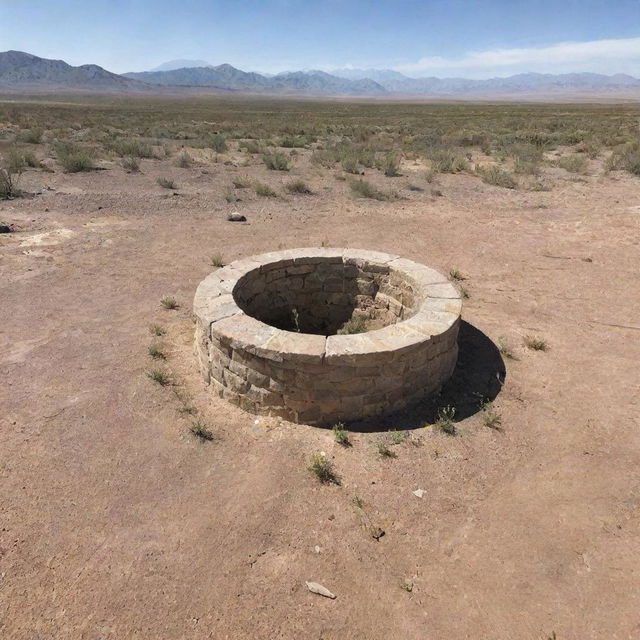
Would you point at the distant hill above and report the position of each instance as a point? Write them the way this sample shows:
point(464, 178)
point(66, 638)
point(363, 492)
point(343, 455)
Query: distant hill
point(398, 83)
point(26, 72)
point(20, 70)
point(171, 65)
point(228, 78)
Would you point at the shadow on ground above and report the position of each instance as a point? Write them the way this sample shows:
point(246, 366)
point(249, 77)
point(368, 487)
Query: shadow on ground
point(477, 379)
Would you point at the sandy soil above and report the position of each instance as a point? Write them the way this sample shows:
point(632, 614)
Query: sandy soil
point(115, 522)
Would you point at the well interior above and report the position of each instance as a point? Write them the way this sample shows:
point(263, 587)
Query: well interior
point(320, 297)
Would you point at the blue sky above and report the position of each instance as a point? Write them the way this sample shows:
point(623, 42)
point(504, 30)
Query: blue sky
point(429, 37)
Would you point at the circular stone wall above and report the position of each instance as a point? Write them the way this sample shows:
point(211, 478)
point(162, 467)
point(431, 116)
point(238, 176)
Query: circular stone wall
point(319, 336)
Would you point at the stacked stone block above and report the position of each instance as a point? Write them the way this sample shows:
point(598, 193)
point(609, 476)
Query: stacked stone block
point(251, 352)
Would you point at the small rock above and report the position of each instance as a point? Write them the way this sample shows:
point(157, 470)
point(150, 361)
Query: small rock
point(236, 217)
point(314, 587)
point(316, 549)
point(5, 228)
point(418, 492)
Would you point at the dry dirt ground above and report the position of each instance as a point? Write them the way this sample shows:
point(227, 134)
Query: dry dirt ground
point(116, 522)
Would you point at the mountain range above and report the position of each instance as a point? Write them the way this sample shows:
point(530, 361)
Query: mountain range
point(22, 71)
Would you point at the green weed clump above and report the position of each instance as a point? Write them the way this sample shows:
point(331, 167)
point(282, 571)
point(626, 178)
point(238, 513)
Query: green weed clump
point(74, 158)
point(496, 176)
point(276, 161)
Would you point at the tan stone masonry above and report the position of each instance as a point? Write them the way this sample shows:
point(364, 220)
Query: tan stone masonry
point(266, 333)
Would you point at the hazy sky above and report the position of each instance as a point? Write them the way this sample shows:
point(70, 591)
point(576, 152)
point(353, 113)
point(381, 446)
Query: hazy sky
point(428, 37)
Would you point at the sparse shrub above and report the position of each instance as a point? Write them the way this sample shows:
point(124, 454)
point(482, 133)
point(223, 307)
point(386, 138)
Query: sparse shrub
point(217, 260)
point(491, 418)
point(264, 190)
point(573, 163)
point(351, 165)
point(353, 325)
point(159, 377)
point(445, 160)
point(524, 167)
point(464, 292)
point(407, 586)
point(627, 157)
point(390, 165)
point(505, 348)
point(156, 330)
point(365, 189)
point(323, 469)
point(241, 182)
point(74, 159)
point(31, 136)
point(456, 274)
point(166, 183)
point(341, 434)
point(398, 437)
point(535, 344)
point(299, 186)
point(276, 161)
point(200, 431)
point(169, 302)
point(252, 146)
point(184, 160)
point(384, 451)
point(132, 148)
point(445, 420)
point(131, 164)
point(293, 142)
point(218, 143)
point(8, 183)
point(230, 195)
point(430, 175)
point(496, 176)
point(156, 352)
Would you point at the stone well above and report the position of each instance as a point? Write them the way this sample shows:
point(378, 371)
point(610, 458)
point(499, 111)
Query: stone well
point(270, 333)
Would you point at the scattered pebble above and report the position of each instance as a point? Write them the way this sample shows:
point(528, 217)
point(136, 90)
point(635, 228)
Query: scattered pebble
point(236, 217)
point(418, 492)
point(314, 587)
point(316, 549)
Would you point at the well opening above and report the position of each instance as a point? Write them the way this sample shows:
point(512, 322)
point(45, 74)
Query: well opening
point(327, 297)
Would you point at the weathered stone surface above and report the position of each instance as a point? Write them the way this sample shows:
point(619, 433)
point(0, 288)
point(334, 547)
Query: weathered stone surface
point(314, 377)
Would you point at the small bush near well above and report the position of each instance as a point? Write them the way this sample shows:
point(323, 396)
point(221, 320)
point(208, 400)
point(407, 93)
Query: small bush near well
point(445, 420)
point(217, 260)
point(166, 183)
point(169, 302)
point(264, 190)
point(218, 143)
point(156, 330)
point(573, 163)
point(276, 161)
point(298, 186)
point(384, 451)
point(131, 164)
point(354, 325)
point(398, 437)
point(491, 418)
point(456, 274)
point(200, 431)
point(341, 434)
point(156, 352)
point(496, 176)
point(505, 348)
point(323, 469)
point(159, 377)
point(535, 344)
